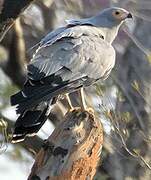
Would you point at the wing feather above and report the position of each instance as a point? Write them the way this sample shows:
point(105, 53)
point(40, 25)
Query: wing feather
point(82, 52)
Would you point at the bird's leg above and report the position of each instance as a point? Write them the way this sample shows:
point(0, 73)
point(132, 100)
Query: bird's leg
point(82, 99)
point(69, 101)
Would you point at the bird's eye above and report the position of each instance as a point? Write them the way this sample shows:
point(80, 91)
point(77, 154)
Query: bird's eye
point(117, 12)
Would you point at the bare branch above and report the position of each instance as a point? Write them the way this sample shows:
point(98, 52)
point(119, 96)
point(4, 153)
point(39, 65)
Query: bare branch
point(130, 102)
point(14, 66)
point(9, 11)
point(137, 42)
point(48, 14)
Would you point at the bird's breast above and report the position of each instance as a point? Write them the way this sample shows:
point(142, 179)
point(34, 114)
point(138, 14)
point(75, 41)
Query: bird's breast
point(98, 57)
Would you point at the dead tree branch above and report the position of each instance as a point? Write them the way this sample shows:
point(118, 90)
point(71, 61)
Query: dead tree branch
point(73, 149)
point(14, 66)
point(9, 11)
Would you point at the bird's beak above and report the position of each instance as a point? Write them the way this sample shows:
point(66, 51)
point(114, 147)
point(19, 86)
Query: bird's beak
point(129, 15)
point(126, 15)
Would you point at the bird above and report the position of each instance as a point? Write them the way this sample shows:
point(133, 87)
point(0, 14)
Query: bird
point(67, 59)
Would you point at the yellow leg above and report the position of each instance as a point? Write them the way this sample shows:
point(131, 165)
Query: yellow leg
point(82, 99)
point(69, 102)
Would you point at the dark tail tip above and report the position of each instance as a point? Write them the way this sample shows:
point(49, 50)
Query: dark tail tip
point(29, 124)
point(18, 138)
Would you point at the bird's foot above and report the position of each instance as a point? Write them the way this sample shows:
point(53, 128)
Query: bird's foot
point(88, 109)
point(70, 109)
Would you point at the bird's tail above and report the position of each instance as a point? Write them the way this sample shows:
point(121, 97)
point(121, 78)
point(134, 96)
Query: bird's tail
point(29, 123)
point(33, 105)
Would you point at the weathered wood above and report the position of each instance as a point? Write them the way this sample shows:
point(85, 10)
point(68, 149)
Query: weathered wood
point(73, 149)
point(9, 11)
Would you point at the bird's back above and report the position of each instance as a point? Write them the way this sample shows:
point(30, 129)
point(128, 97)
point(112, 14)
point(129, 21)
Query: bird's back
point(81, 49)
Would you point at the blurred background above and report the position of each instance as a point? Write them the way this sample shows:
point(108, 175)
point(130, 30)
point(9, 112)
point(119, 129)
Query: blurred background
point(123, 102)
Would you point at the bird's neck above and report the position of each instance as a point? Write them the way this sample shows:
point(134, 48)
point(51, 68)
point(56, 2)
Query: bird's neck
point(109, 33)
point(108, 28)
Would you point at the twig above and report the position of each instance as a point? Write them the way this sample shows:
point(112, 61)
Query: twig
point(131, 103)
point(132, 153)
point(137, 42)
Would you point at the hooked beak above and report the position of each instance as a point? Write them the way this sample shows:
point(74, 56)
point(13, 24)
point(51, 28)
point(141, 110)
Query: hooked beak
point(129, 15)
point(126, 15)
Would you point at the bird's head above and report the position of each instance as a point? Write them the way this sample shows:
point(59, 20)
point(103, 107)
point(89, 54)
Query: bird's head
point(116, 15)
point(111, 17)
point(109, 21)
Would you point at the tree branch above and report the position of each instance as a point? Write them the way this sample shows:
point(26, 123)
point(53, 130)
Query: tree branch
point(48, 14)
point(9, 11)
point(73, 149)
point(14, 67)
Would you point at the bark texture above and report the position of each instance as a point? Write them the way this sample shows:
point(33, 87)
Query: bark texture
point(72, 151)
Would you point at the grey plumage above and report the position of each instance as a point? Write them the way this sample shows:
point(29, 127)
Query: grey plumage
point(68, 58)
point(67, 52)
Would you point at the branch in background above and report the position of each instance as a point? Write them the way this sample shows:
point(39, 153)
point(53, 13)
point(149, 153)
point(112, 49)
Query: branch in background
point(121, 137)
point(131, 102)
point(9, 11)
point(137, 42)
point(73, 149)
point(48, 14)
point(14, 66)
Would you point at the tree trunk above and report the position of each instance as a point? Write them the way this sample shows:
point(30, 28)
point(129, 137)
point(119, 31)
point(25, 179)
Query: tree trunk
point(73, 149)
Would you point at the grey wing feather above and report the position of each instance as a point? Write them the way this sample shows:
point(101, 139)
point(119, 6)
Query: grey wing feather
point(74, 22)
point(50, 37)
point(52, 59)
point(65, 31)
point(59, 34)
point(73, 56)
point(47, 59)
